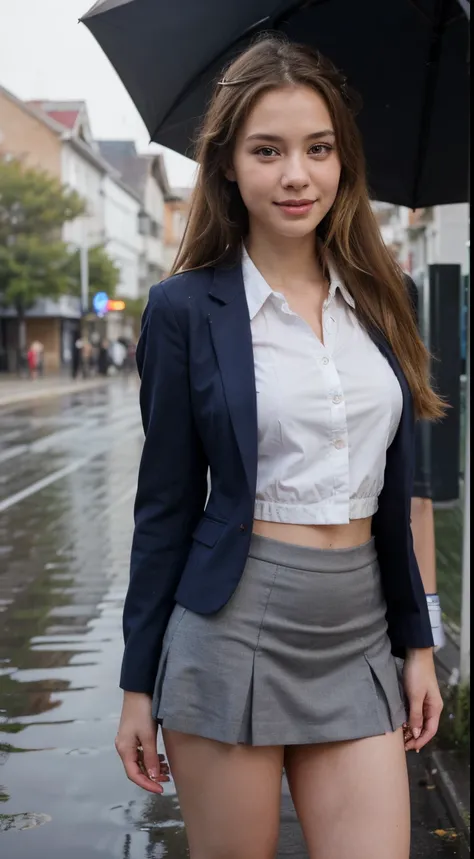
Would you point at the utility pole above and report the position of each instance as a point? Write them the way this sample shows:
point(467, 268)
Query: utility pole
point(84, 257)
point(465, 644)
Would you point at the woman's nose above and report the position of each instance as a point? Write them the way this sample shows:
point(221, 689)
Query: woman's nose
point(295, 174)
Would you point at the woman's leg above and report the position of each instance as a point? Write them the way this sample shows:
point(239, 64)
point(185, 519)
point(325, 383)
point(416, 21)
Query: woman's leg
point(229, 796)
point(352, 798)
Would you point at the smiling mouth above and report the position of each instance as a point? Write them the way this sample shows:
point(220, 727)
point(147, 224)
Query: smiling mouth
point(295, 204)
point(296, 207)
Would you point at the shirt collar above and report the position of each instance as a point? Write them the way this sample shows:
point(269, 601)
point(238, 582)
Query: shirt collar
point(335, 283)
point(257, 290)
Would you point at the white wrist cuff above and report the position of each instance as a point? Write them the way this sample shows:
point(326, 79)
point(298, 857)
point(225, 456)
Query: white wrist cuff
point(436, 622)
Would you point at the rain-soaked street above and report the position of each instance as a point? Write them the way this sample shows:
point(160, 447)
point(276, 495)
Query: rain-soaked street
point(68, 470)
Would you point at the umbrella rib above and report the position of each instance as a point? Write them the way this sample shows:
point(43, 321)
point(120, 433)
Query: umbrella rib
point(297, 6)
point(195, 81)
point(287, 8)
point(466, 7)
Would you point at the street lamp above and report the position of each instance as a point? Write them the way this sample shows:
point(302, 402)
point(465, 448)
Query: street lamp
point(84, 263)
point(84, 259)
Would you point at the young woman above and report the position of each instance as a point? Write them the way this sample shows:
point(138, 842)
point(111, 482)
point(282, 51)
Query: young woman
point(261, 627)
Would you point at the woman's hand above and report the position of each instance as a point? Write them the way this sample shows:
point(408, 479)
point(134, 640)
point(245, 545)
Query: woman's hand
point(425, 701)
point(136, 743)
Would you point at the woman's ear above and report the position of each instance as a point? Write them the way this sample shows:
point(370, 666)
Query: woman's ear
point(229, 174)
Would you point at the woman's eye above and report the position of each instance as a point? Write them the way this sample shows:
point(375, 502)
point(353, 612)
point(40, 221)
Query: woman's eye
point(321, 149)
point(266, 151)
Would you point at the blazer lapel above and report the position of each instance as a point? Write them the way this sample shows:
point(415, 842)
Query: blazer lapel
point(232, 338)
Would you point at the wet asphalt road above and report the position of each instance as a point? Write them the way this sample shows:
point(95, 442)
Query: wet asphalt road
point(67, 479)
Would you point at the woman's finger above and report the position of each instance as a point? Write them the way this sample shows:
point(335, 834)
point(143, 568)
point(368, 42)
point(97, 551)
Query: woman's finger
point(130, 753)
point(430, 727)
point(416, 716)
point(135, 774)
point(149, 756)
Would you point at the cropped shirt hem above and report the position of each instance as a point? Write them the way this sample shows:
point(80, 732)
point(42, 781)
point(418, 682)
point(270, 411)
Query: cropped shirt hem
point(323, 513)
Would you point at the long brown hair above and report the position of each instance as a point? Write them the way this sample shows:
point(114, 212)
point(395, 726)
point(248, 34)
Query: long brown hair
point(218, 219)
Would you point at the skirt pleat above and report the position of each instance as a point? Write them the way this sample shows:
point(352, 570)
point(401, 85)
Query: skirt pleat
point(299, 654)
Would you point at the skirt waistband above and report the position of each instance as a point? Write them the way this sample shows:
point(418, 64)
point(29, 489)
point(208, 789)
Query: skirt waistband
point(309, 558)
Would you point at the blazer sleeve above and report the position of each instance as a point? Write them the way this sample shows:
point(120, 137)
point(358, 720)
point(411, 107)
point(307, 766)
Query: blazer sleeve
point(171, 492)
point(422, 476)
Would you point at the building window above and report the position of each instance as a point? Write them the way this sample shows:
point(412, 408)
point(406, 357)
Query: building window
point(143, 223)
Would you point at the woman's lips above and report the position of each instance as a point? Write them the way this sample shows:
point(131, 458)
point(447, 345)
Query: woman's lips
point(296, 208)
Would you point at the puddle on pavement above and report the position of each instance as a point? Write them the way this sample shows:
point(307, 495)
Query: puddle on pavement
point(64, 554)
point(19, 822)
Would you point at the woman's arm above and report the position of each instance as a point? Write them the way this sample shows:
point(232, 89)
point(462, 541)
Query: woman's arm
point(422, 526)
point(171, 491)
point(422, 517)
point(170, 498)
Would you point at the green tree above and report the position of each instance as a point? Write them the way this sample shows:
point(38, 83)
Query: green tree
point(104, 275)
point(34, 262)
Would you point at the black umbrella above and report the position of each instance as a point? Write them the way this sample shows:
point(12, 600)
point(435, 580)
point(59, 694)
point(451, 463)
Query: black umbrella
point(407, 58)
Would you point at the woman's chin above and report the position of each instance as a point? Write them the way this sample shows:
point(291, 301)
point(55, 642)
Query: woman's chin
point(294, 231)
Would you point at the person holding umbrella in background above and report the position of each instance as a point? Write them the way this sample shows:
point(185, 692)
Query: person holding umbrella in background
point(422, 514)
point(261, 629)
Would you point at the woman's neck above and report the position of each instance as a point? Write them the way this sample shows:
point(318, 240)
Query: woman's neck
point(286, 264)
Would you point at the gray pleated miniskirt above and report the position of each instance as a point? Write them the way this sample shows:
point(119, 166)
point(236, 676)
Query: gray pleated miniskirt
point(299, 654)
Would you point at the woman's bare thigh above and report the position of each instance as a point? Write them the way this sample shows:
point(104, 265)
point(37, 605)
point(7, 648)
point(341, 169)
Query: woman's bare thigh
point(229, 796)
point(352, 798)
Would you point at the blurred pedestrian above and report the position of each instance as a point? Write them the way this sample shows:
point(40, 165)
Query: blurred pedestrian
point(118, 353)
point(32, 358)
point(87, 353)
point(38, 348)
point(282, 355)
point(76, 365)
point(104, 358)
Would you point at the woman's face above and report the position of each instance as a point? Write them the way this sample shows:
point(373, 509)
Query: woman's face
point(286, 153)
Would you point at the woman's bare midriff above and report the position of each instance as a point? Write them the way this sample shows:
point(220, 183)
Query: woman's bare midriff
point(355, 533)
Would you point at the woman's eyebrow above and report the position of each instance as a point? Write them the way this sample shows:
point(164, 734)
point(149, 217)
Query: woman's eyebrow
point(274, 138)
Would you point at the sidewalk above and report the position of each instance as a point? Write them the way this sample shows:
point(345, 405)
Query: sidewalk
point(15, 389)
point(435, 768)
point(451, 769)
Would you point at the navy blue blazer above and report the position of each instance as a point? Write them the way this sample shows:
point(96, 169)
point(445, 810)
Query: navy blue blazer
point(199, 410)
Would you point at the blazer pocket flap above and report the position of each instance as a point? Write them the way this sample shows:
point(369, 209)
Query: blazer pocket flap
point(208, 531)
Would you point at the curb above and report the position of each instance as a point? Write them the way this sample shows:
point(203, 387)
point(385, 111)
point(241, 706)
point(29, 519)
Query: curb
point(450, 795)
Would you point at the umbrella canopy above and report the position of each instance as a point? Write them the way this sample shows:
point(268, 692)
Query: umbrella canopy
point(407, 58)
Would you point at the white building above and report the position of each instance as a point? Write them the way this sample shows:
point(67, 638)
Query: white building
point(112, 217)
point(146, 175)
point(122, 237)
point(424, 237)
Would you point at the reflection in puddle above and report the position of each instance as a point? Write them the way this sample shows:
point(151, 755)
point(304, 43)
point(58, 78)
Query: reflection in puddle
point(64, 573)
point(18, 822)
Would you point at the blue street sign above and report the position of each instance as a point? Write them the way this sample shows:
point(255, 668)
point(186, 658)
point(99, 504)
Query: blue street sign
point(99, 303)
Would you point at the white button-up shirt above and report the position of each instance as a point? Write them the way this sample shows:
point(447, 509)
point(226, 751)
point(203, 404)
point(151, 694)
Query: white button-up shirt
point(327, 412)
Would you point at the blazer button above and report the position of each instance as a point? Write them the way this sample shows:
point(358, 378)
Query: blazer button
point(242, 527)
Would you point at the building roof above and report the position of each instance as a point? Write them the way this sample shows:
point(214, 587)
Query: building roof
point(88, 148)
point(67, 113)
point(122, 155)
point(32, 110)
point(134, 167)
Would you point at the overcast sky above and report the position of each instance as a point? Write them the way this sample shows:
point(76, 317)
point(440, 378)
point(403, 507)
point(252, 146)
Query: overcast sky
point(46, 54)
